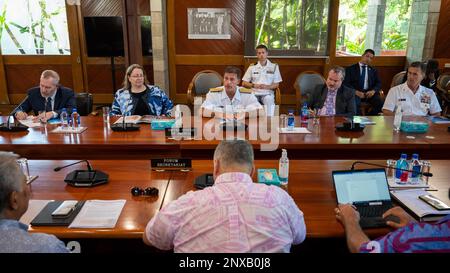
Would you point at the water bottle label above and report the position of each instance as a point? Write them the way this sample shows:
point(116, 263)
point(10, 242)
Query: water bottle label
point(416, 169)
point(291, 121)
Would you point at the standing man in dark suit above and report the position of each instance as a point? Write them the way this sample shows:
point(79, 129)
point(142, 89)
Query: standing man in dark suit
point(364, 79)
point(48, 96)
point(333, 98)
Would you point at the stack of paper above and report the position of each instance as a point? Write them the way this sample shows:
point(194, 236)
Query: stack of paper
point(423, 211)
point(295, 130)
point(69, 130)
point(99, 214)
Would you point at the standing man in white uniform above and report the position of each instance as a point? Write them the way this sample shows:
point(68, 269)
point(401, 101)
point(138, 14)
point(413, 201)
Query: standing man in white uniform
point(413, 98)
point(229, 98)
point(263, 77)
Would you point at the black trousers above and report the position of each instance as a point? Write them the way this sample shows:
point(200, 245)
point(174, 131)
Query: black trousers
point(375, 102)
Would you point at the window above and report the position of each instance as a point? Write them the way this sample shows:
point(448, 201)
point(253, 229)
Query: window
point(33, 27)
point(288, 27)
point(361, 22)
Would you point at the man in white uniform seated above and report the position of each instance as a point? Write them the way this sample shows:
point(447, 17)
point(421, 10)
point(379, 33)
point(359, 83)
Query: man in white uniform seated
point(230, 99)
point(413, 98)
point(263, 77)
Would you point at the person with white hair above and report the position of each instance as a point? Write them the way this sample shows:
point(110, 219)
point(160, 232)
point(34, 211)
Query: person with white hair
point(49, 96)
point(14, 198)
point(234, 215)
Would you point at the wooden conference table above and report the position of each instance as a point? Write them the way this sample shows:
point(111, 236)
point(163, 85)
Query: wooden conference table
point(100, 142)
point(310, 185)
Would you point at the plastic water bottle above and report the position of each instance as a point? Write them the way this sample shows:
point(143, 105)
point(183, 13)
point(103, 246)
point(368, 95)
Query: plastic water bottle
point(75, 118)
point(415, 166)
point(398, 118)
point(304, 114)
point(399, 174)
point(291, 120)
point(283, 169)
point(64, 119)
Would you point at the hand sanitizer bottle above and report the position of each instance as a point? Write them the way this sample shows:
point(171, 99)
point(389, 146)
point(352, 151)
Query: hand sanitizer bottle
point(283, 170)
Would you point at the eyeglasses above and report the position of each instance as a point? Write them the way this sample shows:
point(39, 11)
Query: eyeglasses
point(150, 191)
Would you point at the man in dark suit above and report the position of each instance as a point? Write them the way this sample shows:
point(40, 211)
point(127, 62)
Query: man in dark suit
point(49, 96)
point(333, 98)
point(364, 79)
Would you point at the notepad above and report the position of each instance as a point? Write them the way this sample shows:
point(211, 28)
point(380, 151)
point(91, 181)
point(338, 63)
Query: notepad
point(99, 214)
point(420, 209)
point(68, 130)
point(295, 130)
point(135, 119)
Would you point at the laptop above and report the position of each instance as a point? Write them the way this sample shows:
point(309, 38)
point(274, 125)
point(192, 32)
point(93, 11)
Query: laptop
point(367, 190)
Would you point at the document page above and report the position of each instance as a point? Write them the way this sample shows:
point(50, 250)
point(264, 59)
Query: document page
point(98, 214)
point(34, 208)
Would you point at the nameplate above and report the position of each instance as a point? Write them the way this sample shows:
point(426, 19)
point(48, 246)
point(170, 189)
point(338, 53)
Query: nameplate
point(171, 164)
point(181, 133)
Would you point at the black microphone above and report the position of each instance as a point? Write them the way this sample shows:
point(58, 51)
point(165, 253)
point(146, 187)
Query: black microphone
point(84, 160)
point(15, 128)
point(427, 174)
point(84, 178)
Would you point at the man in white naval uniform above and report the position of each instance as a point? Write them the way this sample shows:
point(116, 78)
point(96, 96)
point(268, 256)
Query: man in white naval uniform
point(230, 99)
point(263, 77)
point(413, 98)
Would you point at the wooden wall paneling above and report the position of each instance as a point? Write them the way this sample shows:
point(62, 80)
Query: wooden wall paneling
point(75, 50)
point(442, 44)
point(100, 78)
point(144, 7)
point(171, 50)
point(32, 59)
point(21, 77)
point(235, 60)
point(102, 7)
point(132, 33)
point(4, 99)
point(83, 47)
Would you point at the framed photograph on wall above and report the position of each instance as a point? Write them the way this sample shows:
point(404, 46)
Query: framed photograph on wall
point(209, 23)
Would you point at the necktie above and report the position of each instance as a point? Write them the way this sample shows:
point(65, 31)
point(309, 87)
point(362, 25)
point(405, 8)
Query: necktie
point(329, 105)
point(362, 77)
point(48, 106)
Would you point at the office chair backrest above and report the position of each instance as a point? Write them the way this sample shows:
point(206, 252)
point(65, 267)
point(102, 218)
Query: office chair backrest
point(206, 80)
point(443, 82)
point(398, 78)
point(305, 85)
point(84, 103)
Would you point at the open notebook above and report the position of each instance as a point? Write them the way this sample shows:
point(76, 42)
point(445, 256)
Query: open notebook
point(420, 209)
point(137, 119)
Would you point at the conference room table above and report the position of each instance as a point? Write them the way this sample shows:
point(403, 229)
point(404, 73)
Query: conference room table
point(377, 141)
point(310, 185)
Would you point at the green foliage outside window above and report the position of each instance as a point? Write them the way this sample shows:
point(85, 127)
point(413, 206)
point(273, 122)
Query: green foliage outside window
point(33, 27)
point(352, 26)
point(293, 25)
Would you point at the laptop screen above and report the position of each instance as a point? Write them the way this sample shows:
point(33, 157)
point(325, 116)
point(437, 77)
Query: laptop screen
point(361, 186)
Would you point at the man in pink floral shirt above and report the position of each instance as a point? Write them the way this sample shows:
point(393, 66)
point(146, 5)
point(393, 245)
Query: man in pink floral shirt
point(234, 215)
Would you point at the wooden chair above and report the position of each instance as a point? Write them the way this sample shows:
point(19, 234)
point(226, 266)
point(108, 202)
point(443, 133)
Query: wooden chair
point(443, 86)
point(201, 83)
point(304, 85)
point(398, 78)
